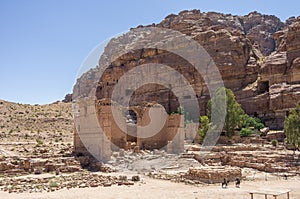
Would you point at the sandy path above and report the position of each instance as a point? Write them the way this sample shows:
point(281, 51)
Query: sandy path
point(158, 189)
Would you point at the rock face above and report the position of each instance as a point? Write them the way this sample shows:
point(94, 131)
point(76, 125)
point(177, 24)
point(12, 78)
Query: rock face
point(68, 98)
point(262, 70)
point(278, 84)
point(258, 28)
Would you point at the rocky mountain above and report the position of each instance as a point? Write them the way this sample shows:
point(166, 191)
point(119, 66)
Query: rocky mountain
point(257, 56)
point(258, 28)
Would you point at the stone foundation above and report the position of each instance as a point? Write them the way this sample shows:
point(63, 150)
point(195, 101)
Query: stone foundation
point(214, 174)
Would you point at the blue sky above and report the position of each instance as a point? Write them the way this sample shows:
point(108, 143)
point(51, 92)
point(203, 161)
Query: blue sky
point(43, 43)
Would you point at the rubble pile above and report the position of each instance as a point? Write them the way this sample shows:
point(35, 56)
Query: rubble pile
point(262, 158)
point(19, 166)
point(54, 183)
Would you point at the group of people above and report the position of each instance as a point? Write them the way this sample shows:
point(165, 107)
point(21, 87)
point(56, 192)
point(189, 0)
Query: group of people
point(226, 182)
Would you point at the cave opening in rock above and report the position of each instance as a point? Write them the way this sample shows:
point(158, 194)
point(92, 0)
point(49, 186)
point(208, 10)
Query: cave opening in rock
point(263, 87)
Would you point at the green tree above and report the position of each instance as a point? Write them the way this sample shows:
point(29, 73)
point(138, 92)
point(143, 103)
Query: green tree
point(292, 127)
point(235, 115)
point(204, 126)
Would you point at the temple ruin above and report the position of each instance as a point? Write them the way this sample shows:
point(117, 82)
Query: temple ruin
point(102, 136)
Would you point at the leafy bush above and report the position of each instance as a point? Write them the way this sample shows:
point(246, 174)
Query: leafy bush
point(204, 126)
point(180, 110)
point(123, 178)
point(53, 184)
point(254, 122)
point(259, 126)
point(274, 142)
point(39, 141)
point(245, 132)
point(135, 178)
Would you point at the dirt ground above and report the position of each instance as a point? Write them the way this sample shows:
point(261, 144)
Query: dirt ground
point(152, 188)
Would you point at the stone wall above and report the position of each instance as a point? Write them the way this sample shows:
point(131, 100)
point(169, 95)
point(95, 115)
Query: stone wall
point(214, 174)
point(90, 139)
point(87, 133)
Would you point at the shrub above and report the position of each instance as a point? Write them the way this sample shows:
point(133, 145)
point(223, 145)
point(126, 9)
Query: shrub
point(254, 122)
point(53, 184)
point(180, 110)
point(39, 141)
point(204, 126)
point(123, 178)
point(245, 132)
point(135, 178)
point(274, 142)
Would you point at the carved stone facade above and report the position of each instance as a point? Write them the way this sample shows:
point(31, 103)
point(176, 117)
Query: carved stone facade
point(99, 134)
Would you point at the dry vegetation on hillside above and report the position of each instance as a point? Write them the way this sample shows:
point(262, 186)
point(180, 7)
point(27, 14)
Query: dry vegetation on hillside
point(24, 125)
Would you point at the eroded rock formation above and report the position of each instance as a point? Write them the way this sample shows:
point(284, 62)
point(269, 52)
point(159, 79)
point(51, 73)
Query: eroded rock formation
point(279, 77)
point(257, 55)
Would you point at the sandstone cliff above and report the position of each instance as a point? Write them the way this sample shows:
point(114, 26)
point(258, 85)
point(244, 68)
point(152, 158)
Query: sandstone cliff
point(257, 55)
point(279, 78)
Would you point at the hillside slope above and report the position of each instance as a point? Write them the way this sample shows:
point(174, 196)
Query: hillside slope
point(24, 126)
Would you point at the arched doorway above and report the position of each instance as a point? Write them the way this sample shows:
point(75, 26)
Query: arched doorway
point(131, 126)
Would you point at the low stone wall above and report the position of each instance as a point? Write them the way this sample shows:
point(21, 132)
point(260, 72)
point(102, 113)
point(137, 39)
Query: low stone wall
point(276, 135)
point(214, 174)
point(11, 166)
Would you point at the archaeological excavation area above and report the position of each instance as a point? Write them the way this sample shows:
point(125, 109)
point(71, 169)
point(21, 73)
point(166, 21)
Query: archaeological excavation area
point(136, 141)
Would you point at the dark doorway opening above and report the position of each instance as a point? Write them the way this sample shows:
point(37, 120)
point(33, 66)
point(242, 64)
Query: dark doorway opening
point(131, 126)
point(263, 87)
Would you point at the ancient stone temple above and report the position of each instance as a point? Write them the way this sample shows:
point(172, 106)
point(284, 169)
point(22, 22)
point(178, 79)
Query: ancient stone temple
point(90, 139)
